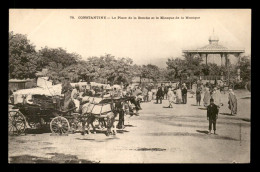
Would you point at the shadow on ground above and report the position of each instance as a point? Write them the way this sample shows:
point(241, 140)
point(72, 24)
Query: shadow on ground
point(121, 131)
point(246, 98)
point(227, 114)
point(129, 126)
point(166, 107)
point(194, 105)
point(247, 120)
point(198, 135)
point(38, 131)
point(56, 158)
point(203, 131)
point(149, 149)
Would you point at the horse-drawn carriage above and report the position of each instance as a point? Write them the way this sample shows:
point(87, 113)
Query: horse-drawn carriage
point(42, 110)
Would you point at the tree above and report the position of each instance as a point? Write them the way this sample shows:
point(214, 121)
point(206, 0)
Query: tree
point(245, 68)
point(175, 67)
point(192, 64)
point(58, 56)
point(56, 60)
point(22, 57)
point(150, 71)
point(109, 68)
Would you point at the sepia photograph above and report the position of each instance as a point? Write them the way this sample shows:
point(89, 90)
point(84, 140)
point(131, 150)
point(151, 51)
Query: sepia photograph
point(129, 86)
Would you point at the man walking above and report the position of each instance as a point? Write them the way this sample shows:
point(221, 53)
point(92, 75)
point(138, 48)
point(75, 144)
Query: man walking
point(198, 95)
point(212, 115)
point(166, 89)
point(159, 95)
point(184, 94)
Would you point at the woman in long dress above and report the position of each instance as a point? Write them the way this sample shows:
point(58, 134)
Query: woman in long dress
point(170, 96)
point(232, 102)
point(150, 95)
point(178, 96)
point(216, 96)
point(207, 97)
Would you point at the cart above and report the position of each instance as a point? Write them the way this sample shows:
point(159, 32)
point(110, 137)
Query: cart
point(42, 111)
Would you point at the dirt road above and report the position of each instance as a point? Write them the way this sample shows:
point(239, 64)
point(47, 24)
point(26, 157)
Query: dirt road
point(158, 135)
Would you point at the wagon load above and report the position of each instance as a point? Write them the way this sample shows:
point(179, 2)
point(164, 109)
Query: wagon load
point(38, 107)
point(27, 94)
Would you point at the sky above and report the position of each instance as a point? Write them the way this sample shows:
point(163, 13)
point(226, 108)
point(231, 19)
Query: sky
point(144, 40)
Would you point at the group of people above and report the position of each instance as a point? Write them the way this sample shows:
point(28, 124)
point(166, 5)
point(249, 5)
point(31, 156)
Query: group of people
point(215, 94)
point(212, 100)
point(177, 95)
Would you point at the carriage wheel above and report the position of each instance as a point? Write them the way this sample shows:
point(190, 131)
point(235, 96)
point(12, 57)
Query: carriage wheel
point(59, 125)
point(16, 123)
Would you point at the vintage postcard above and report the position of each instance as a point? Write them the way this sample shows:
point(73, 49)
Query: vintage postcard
point(129, 86)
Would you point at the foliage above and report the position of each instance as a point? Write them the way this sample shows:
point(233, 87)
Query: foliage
point(56, 60)
point(245, 68)
point(212, 69)
point(22, 57)
point(151, 72)
point(192, 64)
point(175, 67)
point(103, 69)
point(25, 61)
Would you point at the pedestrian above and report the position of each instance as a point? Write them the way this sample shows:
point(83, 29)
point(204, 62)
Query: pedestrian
point(178, 95)
point(207, 97)
point(137, 94)
point(163, 92)
point(170, 96)
point(121, 111)
point(198, 95)
point(154, 91)
point(212, 115)
point(232, 102)
point(145, 94)
point(184, 94)
point(159, 95)
point(150, 95)
point(166, 91)
point(216, 96)
point(174, 96)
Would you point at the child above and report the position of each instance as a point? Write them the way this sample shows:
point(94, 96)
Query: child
point(212, 115)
